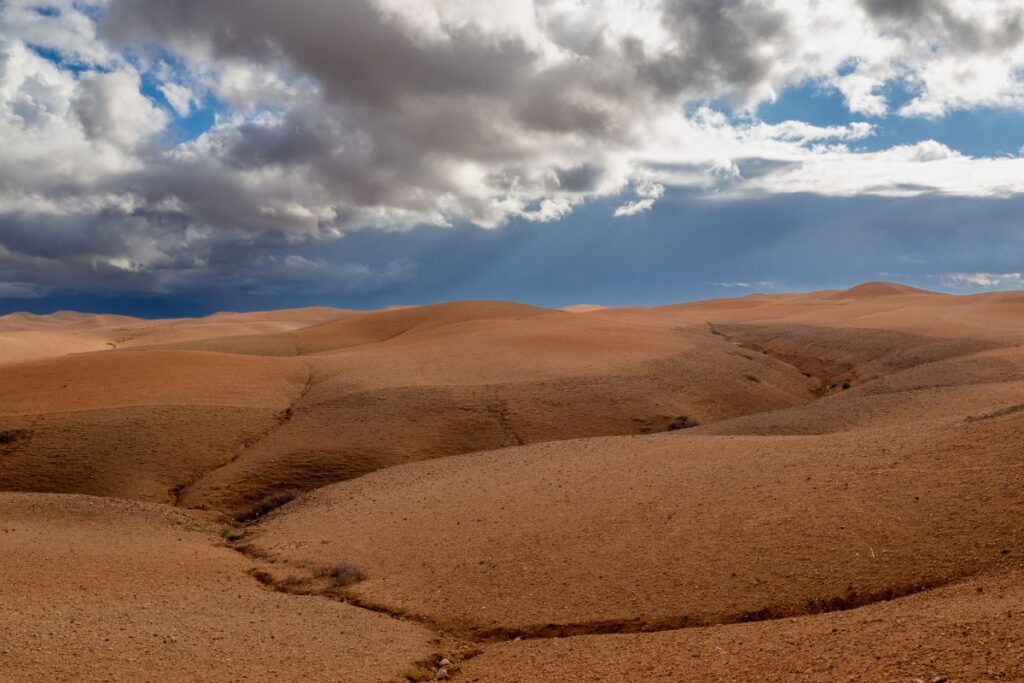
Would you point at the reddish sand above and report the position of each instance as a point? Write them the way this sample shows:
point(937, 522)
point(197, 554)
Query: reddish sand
point(583, 308)
point(781, 487)
point(25, 337)
point(972, 630)
point(97, 589)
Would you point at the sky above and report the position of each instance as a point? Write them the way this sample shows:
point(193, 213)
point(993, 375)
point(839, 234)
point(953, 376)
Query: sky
point(178, 157)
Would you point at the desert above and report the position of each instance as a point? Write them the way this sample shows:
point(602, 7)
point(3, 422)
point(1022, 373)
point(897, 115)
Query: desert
point(812, 487)
point(522, 341)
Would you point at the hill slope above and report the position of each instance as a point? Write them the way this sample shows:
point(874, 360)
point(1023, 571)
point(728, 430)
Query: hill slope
point(782, 487)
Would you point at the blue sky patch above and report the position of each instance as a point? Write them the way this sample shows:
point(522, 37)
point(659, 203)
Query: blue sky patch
point(58, 59)
point(980, 132)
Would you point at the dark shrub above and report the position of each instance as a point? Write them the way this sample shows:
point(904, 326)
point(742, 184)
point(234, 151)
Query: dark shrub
point(681, 422)
point(230, 535)
point(266, 504)
point(343, 574)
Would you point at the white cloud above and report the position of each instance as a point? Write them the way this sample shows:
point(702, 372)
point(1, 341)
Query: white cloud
point(111, 109)
point(179, 97)
point(761, 284)
point(731, 160)
point(798, 131)
point(51, 158)
point(69, 29)
point(633, 208)
point(982, 280)
point(648, 191)
point(900, 171)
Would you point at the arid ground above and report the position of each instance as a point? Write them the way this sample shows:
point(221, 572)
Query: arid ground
point(815, 487)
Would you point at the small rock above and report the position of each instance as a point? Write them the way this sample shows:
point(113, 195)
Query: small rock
point(444, 663)
point(940, 679)
point(441, 675)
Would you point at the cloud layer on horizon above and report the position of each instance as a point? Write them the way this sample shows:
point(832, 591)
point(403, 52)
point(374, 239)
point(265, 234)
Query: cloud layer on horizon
point(340, 116)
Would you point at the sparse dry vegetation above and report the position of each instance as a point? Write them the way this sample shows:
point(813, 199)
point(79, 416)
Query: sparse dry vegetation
point(681, 422)
point(342, 574)
point(266, 504)
point(230, 535)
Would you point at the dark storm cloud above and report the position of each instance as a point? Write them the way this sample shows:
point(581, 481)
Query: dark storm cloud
point(289, 143)
point(353, 47)
point(362, 53)
point(84, 236)
point(582, 178)
point(935, 20)
point(69, 250)
point(899, 9)
point(719, 44)
point(757, 168)
point(143, 251)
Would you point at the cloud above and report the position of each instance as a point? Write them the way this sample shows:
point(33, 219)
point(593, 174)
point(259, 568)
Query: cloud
point(958, 54)
point(336, 116)
point(111, 109)
point(730, 160)
point(982, 280)
point(798, 131)
point(761, 284)
point(649, 192)
point(179, 97)
point(634, 207)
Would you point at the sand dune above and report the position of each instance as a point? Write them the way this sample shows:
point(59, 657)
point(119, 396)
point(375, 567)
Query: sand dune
point(444, 389)
point(62, 320)
point(869, 290)
point(367, 328)
point(27, 337)
point(583, 308)
point(220, 325)
point(135, 424)
point(23, 345)
point(815, 487)
point(375, 390)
